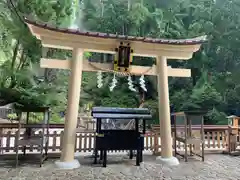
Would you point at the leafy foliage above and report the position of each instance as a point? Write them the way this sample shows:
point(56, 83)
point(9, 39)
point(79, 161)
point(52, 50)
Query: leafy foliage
point(215, 77)
point(18, 81)
point(179, 19)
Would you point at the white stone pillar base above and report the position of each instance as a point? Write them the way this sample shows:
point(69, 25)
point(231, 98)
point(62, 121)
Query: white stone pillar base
point(67, 165)
point(172, 161)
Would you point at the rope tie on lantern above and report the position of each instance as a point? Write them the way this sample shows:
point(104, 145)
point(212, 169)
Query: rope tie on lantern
point(114, 80)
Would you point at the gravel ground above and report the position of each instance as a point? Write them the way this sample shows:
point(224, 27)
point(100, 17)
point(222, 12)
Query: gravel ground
point(217, 167)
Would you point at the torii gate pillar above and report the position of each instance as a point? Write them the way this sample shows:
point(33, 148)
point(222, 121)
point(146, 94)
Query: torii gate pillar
point(67, 160)
point(164, 114)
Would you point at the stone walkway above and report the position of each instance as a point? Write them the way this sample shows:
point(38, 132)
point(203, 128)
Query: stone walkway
point(216, 167)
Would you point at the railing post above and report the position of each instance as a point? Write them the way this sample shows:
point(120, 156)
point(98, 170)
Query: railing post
point(226, 137)
point(156, 145)
point(1, 140)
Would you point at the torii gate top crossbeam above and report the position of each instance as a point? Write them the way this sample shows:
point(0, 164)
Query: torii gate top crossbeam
point(106, 43)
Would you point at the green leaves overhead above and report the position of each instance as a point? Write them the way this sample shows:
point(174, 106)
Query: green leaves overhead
point(20, 52)
point(216, 66)
point(55, 12)
point(138, 14)
point(181, 19)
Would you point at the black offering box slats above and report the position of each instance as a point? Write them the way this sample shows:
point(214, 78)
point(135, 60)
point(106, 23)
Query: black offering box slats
point(120, 110)
point(121, 116)
point(112, 139)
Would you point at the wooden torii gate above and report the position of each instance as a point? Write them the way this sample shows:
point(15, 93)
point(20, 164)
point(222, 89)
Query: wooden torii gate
point(79, 42)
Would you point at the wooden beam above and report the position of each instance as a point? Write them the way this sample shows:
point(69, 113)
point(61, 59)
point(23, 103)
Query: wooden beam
point(142, 51)
point(54, 63)
point(137, 70)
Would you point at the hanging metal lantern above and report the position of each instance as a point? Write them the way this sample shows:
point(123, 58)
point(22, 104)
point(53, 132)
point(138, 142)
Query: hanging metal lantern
point(123, 57)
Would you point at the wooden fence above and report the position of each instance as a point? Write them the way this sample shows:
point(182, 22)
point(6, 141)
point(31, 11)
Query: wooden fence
point(215, 139)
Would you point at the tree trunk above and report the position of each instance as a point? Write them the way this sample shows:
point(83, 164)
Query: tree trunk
point(194, 76)
point(14, 58)
point(142, 99)
point(15, 52)
point(129, 5)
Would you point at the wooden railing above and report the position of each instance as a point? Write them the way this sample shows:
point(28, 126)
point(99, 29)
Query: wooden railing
point(215, 139)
